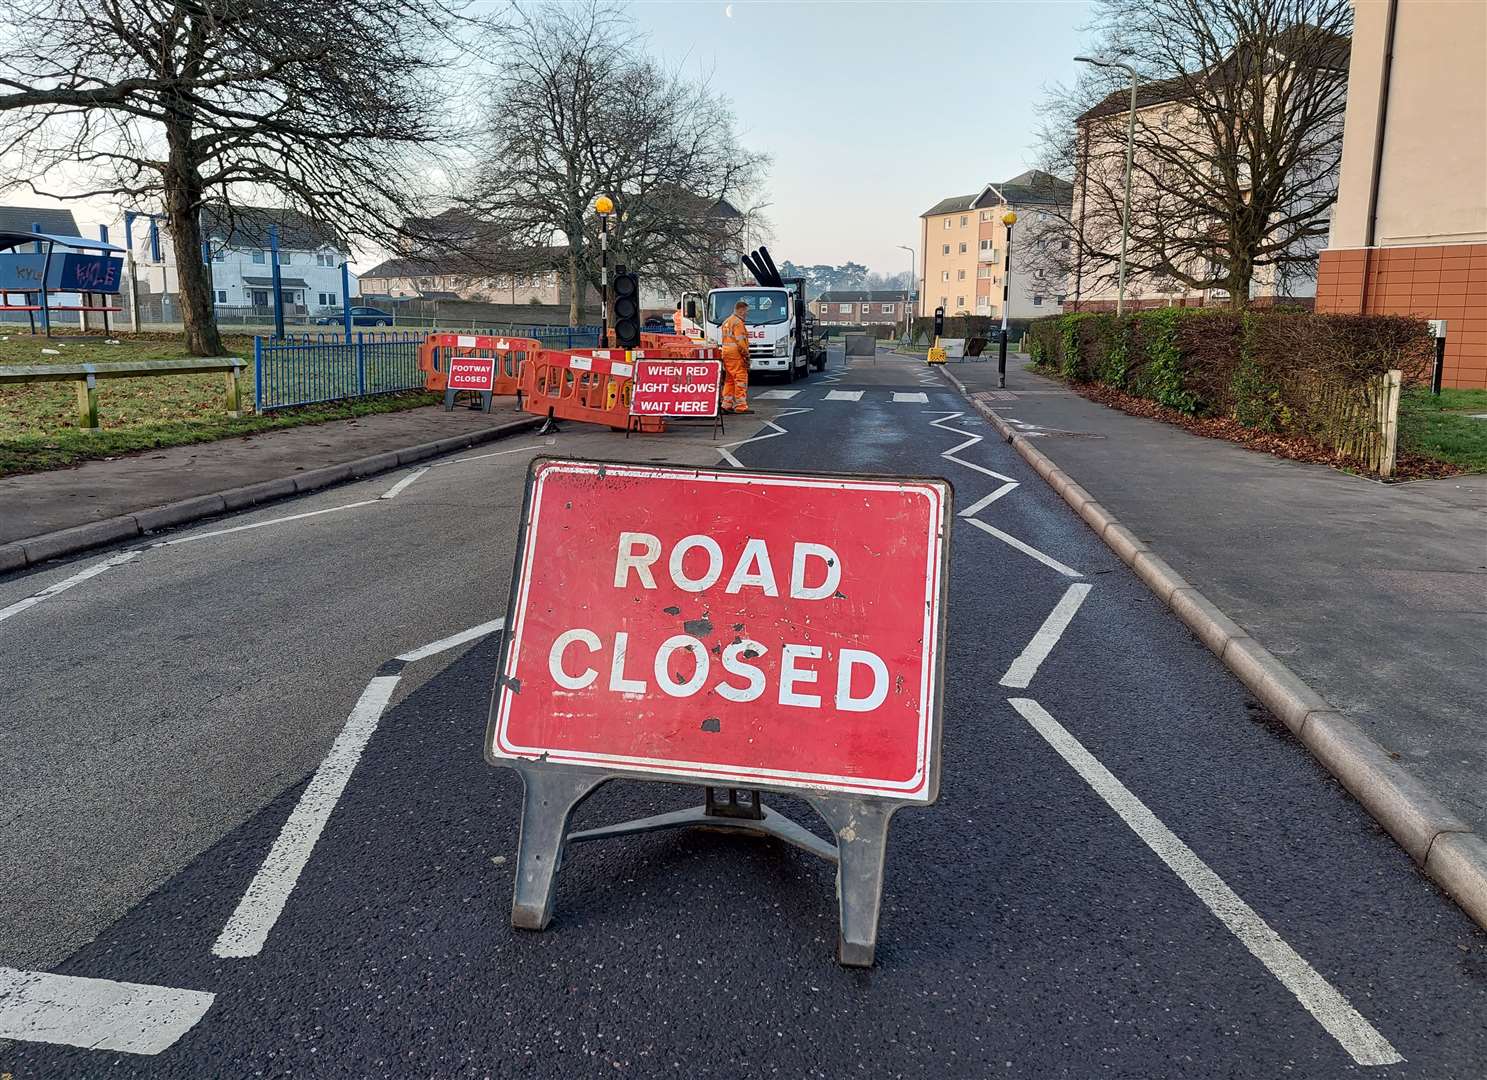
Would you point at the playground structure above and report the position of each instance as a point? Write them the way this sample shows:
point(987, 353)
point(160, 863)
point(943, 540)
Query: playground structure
point(45, 272)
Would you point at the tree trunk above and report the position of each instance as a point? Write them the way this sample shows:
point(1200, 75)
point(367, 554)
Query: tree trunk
point(183, 197)
point(575, 285)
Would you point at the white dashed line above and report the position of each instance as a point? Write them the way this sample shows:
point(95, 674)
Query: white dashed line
point(777, 395)
point(263, 524)
point(844, 395)
point(62, 586)
point(1025, 548)
point(1026, 666)
point(1319, 997)
point(899, 395)
point(96, 1014)
point(398, 488)
point(248, 927)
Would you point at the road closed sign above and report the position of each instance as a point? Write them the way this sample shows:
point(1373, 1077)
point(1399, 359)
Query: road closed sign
point(757, 629)
point(676, 388)
point(472, 373)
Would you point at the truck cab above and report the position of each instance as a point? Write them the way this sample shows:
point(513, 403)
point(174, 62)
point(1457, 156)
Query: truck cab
point(771, 323)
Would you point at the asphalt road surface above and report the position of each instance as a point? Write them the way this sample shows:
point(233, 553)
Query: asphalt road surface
point(241, 838)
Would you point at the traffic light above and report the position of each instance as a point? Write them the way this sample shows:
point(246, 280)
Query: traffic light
point(626, 309)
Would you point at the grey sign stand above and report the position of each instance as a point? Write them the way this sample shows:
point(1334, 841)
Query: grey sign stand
point(554, 792)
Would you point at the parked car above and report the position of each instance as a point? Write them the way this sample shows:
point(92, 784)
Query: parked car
point(657, 325)
point(360, 316)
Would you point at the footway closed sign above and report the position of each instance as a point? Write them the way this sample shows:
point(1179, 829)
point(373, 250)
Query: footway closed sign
point(764, 629)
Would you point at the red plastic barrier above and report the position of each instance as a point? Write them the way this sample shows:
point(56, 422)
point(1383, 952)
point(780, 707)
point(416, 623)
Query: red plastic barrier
point(511, 354)
point(589, 385)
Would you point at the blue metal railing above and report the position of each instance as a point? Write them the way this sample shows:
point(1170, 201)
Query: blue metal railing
point(304, 368)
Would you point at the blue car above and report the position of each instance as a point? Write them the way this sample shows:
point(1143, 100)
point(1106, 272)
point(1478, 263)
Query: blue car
point(360, 316)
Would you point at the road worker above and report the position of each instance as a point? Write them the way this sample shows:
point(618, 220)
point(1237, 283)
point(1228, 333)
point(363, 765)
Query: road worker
point(736, 360)
point(678, 320)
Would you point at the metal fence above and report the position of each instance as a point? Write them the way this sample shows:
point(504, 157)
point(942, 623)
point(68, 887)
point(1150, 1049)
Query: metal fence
point(301, 369)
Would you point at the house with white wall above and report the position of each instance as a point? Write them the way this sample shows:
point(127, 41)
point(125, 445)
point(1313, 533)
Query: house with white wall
point(311, 255)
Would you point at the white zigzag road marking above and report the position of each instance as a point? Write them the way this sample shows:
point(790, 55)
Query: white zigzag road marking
point(727, 448)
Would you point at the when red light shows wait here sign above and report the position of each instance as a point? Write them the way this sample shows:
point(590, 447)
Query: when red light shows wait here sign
point(676, 388)
point(776, 630)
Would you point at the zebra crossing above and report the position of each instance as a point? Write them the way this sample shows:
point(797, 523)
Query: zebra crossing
point(900, 396)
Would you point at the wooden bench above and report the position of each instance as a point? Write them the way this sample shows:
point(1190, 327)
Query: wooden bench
point(87, 375)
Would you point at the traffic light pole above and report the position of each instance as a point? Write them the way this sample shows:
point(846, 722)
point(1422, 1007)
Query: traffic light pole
point(604, 281)
point(1001, 354)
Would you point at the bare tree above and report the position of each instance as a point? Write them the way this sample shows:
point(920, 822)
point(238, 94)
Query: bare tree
point(178, 105)
point(1237, 143)
point(578, 111)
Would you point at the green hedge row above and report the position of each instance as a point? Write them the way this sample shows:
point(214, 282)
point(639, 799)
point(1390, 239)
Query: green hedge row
point(1276, 371)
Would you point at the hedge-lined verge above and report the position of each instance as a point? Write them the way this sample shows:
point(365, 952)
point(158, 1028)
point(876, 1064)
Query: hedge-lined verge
point(1293, 376)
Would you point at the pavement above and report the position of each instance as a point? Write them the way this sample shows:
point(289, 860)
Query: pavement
point(38, 503)
point(1374, 594)
point(1133, 869)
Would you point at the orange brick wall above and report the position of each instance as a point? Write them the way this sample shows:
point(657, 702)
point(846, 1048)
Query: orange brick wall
point(1446, 281)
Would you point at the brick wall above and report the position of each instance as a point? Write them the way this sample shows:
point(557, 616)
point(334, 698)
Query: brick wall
point(1443, 281)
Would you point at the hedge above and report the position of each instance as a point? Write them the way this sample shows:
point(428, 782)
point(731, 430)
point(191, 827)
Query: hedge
point(1285, 372)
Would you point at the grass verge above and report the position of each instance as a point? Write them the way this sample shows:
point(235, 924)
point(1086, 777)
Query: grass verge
point(1443, 428)
point(38, 421)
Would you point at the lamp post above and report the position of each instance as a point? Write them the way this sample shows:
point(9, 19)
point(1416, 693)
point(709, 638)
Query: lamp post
point(1125, 210)
point(604, 206)
point(909, 292)
point(1008, 219)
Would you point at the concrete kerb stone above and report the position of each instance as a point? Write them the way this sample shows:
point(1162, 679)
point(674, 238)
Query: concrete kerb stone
point(12, 557)
point(1458, 864)
point(63, 542)
point(315, 479)
point(55, 545)
point(161, 517)
point(1277, 686)
point(1452, 855)
point(1198, 613)
point(253, 494)
point(1412, 813)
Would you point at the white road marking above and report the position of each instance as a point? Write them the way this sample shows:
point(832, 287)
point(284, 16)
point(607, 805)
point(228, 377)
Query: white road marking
point(844, 395)
point(263, 524)
point(62, 586)
point(96, 1014)
point(250, 923)
point(777, 395)
point(899, 395)
point(1026, 666)
point(727, 448)
point(1026, 549)
point(1319, 997)
point(949, 455)
point(424, 651)
point(986, 500)
point(397, 489)
point(498, 453)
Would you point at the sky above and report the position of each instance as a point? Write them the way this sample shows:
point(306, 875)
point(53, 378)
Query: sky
point(872, 112)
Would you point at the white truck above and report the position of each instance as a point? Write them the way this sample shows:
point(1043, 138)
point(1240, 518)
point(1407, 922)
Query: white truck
point(782, 332)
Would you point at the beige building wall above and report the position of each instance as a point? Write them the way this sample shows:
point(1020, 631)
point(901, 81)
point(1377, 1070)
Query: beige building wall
point(950, 244)
point(970, 281)
point(1433, 184)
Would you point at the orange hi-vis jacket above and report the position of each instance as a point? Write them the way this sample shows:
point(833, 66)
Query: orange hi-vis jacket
point(735, 338)
point(678, 321)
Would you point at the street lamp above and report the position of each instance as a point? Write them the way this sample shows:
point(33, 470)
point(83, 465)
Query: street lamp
point(604, 206)
point(1008, 219)
point(909, 292)
point(1125, 211)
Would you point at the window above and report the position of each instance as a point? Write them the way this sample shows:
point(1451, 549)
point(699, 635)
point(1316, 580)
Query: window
point(983, 272)
point(960, 302)
point(963, 219)
point(326, 299)
point(1037, 301)
point(260, 257)
point(944, 275)
point(845, 309)
point(220, 255)
point(947, 223)
point(943, 301)
point(221, 296)
point(962, 249)
point(960, 275)
point(1063, 297)
point(887, 309)
point(986, 215)
point(988, 245)
point(325, 258)
point(285, 258)
point(944, 249)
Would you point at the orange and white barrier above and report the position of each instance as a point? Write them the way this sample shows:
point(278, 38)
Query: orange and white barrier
point(438, 351)
point(589, 385)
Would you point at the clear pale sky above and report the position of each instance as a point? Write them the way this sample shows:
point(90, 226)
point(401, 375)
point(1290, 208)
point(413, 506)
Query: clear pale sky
point(871, 111)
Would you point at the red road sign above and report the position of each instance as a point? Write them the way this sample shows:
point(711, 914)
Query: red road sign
point(677, 388)
point(472, 373)
point(763, 629)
